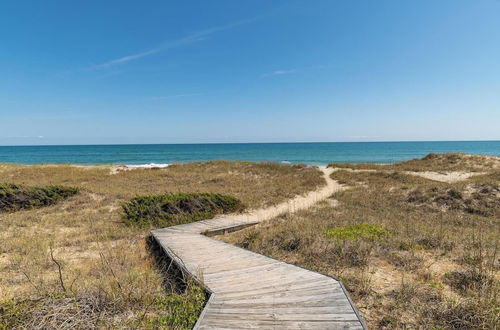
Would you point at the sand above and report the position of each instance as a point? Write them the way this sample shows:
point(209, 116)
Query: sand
point(448, 177)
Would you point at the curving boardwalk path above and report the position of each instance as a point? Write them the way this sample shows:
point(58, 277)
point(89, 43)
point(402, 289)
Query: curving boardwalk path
point(251, 291)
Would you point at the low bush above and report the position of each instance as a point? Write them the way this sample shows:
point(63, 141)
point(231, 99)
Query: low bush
point(360, 230)
point(173, 209)
point(404, 259)
point(181, 310)
point(465, 280)
point(14, 197)
point(481, 199)
point(466, 314)
point(349, 253)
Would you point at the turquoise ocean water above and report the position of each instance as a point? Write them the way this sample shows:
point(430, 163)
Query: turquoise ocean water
point(309, 153)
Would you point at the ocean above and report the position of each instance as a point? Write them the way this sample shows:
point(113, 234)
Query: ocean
point(320, 153)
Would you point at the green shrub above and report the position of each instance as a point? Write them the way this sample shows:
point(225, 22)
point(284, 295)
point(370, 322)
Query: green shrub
point(172, 209)
point(14, 198)
point(182, 310)
point(360, 230)
point(13, 313)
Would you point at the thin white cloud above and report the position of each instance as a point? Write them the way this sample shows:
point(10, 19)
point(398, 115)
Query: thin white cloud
point(277, 73)
point(127, 58)
point(301, 69)
point(174, 96)
point(192, 38)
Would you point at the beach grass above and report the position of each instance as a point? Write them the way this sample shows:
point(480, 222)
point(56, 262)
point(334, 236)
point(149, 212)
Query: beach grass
point(78, 264)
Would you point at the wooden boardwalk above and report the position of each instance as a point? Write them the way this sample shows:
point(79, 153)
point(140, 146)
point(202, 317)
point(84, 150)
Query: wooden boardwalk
point(251, 291)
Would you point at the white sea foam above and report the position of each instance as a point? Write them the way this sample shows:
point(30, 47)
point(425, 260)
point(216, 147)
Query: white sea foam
point(150, 165)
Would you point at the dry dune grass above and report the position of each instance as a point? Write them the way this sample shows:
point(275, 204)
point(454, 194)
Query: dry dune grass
point(75, 264)
point(414, 253)
point(449, 162)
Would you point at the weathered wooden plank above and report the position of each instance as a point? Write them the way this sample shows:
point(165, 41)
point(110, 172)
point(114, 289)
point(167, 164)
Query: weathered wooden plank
point(285, 293)
point(283, 310)
point(255, 284)
point(235, 272)
point(279, 325)
point(282, 317)
point(285, 285)
point(271, 304)
point(278, 272)
point(325, 297)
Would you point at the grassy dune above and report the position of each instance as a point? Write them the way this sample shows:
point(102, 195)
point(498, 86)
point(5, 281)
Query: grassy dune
point(413, 253)
point(435, 162)
point(76, 264)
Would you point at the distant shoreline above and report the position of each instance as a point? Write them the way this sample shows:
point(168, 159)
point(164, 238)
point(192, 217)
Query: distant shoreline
point(310, 153)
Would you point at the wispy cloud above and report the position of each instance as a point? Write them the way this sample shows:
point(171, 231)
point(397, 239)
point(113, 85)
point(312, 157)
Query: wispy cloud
point(175, 96)
point(189, 39)
point(278, 73)
point(301, 69)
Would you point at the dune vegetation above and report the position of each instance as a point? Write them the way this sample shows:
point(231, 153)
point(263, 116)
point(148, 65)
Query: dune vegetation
point(175, 209)
point(412, 252)
point(86, 262)
point(14, 198)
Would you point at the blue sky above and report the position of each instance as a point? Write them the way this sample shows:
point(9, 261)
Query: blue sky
point(78, 72)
